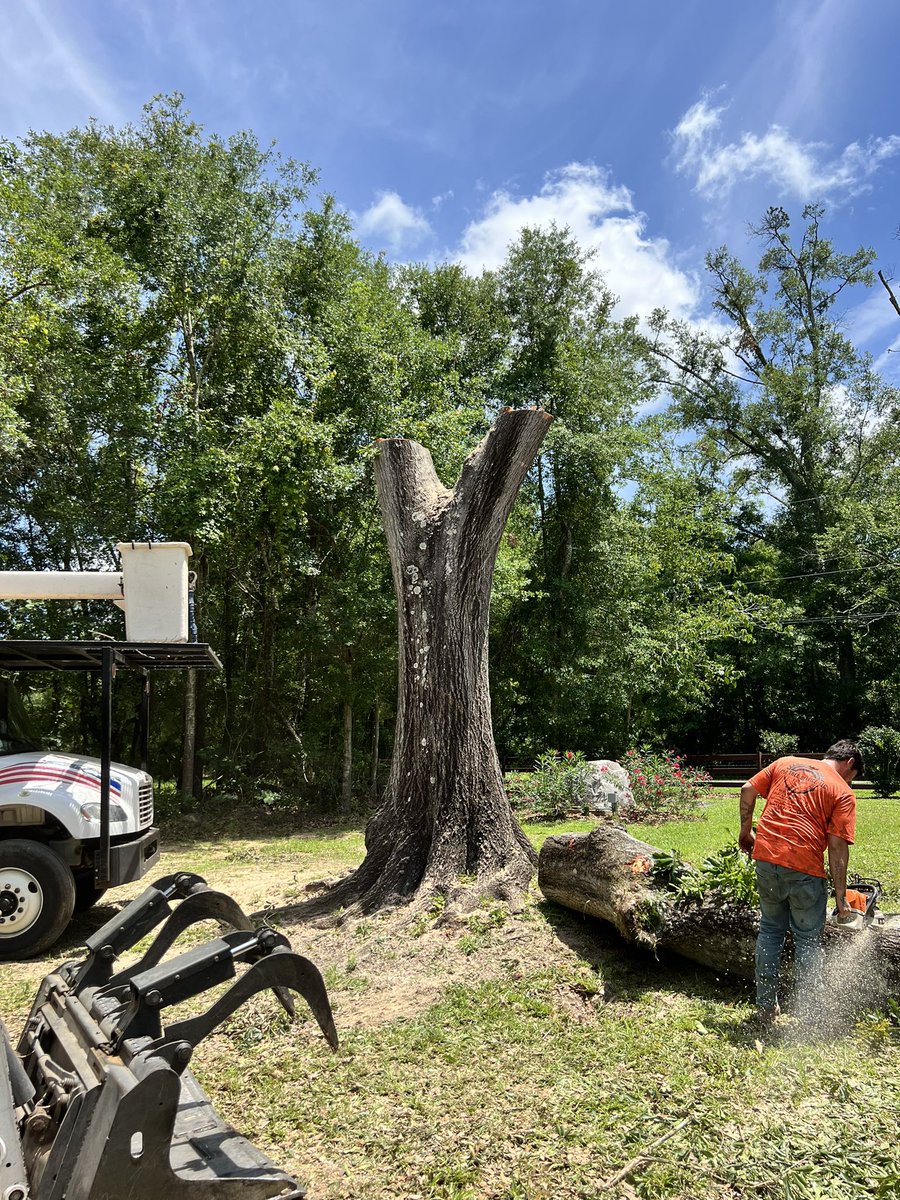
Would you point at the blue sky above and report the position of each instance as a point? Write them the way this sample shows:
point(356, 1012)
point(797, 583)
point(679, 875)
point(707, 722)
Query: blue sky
point(655, 130)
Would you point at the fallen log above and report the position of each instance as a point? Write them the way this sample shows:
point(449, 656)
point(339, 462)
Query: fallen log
point(605, 874)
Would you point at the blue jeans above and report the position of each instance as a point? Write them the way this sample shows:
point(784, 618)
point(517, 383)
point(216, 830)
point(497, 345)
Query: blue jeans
point(796, 901)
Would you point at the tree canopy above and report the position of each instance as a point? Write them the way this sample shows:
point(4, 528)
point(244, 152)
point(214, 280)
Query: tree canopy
point(194, 347)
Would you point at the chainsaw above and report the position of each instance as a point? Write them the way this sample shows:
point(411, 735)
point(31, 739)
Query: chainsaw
point(862, 897)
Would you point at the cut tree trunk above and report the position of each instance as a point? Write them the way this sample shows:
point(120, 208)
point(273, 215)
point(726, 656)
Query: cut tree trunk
point(602, 873)
point(347, 760)
point(444, 817)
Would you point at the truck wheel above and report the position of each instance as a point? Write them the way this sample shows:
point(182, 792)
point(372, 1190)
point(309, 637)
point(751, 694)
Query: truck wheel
point(37, 898)
point(86, 891)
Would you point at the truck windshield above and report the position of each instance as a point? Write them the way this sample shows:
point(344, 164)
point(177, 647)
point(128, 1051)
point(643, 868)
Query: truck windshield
point(15, 732)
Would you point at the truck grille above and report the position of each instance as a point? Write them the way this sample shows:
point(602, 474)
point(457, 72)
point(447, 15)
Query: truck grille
point(145, 804)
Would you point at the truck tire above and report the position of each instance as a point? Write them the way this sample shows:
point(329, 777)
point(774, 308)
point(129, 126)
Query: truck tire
point(87, 894)
point(37, 898)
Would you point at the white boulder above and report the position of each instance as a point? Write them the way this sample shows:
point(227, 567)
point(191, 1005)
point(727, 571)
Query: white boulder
point(607, 787)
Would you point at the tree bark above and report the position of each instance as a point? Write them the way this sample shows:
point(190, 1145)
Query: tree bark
point(189, 733)
point(444, 814)
point(599, 873)
point(199, 735)
point(376, 738)
point(347, 760)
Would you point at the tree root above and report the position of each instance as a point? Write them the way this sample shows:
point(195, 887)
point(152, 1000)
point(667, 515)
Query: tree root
point(369, 889)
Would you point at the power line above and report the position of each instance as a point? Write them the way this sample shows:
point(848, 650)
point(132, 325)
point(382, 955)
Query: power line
point(821, 574)
point(848, 618)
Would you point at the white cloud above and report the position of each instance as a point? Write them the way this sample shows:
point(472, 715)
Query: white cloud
point(801, 169)
point(394, 221)
point(873, 325)
point(872, 318)
point(49, 73)
point(887, 364)
point(600, 216)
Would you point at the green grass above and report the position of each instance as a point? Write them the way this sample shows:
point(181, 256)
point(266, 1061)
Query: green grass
point(876, 851)
point(519, 1088)
point(538, 1077)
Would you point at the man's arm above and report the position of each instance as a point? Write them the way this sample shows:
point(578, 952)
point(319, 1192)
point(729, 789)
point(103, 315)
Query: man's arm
point(746, 837)
point(838, 857)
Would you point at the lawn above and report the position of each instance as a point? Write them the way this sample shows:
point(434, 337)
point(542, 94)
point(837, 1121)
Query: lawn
point(875, 853)
point(530, 1055)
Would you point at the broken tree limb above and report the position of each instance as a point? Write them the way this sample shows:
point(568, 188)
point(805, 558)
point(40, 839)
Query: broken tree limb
point(604, 874)
point(890, 291)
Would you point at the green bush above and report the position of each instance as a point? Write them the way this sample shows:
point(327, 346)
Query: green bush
point(780, 745)
point(664, 789)
point(555, 788)
point(881, 746)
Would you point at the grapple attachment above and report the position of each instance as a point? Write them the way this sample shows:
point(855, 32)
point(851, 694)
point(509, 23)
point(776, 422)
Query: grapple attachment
point(99, 1103)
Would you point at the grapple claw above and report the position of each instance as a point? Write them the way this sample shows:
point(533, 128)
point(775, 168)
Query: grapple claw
point(99, 1100)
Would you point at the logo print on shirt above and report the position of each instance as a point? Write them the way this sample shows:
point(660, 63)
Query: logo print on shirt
point(800, 780)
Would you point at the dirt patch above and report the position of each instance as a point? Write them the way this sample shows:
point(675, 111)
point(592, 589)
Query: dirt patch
point(394, 966)
point(381, 969)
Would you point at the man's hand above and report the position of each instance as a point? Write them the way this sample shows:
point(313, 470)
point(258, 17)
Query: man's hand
point(843, 908)
point(746, 840)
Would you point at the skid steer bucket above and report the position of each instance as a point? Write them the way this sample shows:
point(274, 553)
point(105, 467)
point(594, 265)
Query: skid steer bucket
point(97, 1101)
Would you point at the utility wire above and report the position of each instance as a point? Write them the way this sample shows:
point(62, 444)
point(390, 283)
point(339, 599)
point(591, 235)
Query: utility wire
point(822, 574)
point(847, 618)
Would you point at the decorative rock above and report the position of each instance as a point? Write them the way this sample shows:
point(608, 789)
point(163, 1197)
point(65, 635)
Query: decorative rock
point(607, 788)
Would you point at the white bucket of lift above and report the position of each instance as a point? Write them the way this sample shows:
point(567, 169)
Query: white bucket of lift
point(155, 586)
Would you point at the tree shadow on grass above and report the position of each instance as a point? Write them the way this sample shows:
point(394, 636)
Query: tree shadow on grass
point(630, 972)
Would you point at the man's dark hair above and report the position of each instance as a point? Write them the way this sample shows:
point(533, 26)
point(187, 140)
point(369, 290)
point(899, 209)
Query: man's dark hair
point(844, 750)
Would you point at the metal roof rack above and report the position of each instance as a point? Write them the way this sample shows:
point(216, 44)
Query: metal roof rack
point(41, 655)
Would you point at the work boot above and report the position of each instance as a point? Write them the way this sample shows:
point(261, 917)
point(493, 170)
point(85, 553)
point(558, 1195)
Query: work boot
point(765, 1018)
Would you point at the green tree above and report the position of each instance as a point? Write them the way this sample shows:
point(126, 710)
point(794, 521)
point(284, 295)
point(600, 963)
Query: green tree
point(218, 362)
point(567, 356)
point(785, 405)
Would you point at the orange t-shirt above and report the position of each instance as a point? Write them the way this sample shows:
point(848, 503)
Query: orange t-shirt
point(806, 800)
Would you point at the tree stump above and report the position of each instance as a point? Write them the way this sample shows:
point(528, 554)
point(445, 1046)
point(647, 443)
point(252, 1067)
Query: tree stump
point(444, 817)
point(603, 873)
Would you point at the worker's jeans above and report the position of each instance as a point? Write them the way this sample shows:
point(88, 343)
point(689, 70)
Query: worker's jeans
point(796, 901)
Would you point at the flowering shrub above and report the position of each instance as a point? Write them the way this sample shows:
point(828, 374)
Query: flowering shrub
point(555, 788)
point(664, 788)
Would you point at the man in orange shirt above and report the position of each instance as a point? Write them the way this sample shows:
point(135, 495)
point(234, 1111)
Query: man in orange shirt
point(810, 808)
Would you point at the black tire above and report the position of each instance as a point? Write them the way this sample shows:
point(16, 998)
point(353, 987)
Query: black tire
point(86, 891)
point(37, 893)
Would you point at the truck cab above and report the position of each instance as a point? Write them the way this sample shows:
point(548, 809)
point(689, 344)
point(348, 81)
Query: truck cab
point(50, 832)
point(73, 825)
